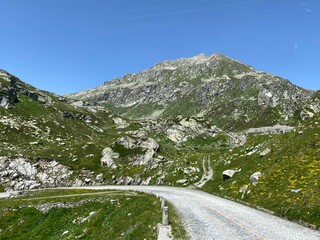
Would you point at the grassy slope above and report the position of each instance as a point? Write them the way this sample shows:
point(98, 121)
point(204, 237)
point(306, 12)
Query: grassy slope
point(117, 215)
point(293, 164)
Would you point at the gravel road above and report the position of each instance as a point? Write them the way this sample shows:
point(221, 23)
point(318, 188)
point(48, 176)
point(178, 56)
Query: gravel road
point(207, 217)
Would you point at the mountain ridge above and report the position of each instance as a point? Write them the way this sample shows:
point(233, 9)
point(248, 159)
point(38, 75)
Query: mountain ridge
point(204, 84)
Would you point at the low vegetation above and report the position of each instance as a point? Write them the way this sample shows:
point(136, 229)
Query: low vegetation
point(289, 185)
point(82, 214)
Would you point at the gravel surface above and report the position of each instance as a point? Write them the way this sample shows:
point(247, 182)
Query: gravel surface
point(208, 217)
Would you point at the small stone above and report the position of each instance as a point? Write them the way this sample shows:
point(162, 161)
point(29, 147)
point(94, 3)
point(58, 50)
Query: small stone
point(254, 178)
point(295, 190)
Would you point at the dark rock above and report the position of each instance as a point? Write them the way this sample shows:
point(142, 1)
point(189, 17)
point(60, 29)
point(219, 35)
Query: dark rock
point(67, 114)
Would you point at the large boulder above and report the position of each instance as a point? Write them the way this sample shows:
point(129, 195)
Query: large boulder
point(152, 147)
point(108, 156)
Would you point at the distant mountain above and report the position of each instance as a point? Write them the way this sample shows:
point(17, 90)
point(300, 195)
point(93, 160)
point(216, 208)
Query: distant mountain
point(227, 92)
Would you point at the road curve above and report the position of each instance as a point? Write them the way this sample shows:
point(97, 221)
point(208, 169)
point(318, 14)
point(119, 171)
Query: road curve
point(207, 217)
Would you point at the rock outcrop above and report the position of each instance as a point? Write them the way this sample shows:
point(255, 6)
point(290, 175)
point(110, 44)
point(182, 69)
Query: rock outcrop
point(23, 174)
point(108, 157)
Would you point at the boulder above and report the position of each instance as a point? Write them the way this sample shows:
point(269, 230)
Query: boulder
point(108, 156)
point(229, 173)
point(176, 134)
point(24, 174)
point(150, 143)
point(99, 177)
point(265, 152)
point(120, 123)
point(67, 114)
point(254, 178)
point(152, 147)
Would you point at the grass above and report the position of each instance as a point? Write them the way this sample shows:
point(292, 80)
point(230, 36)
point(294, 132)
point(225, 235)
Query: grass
point(1, 188)
point(178, 230)
point(117, 215)
point(290, 184)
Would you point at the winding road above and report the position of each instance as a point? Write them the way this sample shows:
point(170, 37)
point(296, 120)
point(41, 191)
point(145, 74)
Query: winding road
point(207, 217)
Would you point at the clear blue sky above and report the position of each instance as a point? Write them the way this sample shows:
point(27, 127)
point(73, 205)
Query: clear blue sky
point(65, 46)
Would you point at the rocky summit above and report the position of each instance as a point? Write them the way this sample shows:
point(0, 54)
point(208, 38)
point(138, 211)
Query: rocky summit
point(206, 122)
point(224, 91)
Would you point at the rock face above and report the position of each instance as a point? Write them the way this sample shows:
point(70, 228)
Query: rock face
point(215, 87)
point(11, 87)
point(23, 174)
point(8, 93)
point(270, 130)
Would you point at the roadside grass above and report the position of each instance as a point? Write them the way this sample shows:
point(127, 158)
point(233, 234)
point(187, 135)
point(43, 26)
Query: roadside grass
point(176, 223)
point(117, 215)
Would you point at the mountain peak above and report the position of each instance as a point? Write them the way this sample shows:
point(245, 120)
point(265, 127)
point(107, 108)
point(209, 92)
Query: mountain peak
point(214, 59)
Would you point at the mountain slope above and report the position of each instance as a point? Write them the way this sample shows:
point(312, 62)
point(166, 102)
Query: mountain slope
point(227, 92)
point(48, 140)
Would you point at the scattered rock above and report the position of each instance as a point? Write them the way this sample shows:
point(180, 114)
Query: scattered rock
point(243, 190)
point(254, 178)
point(295, 190)
point(265, 152)
point(182, 181)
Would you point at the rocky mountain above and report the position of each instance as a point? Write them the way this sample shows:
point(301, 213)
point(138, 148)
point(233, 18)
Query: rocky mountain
point(208, 122)
point(224, 91)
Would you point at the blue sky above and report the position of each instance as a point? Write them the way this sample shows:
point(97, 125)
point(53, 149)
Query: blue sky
point(66, 46)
